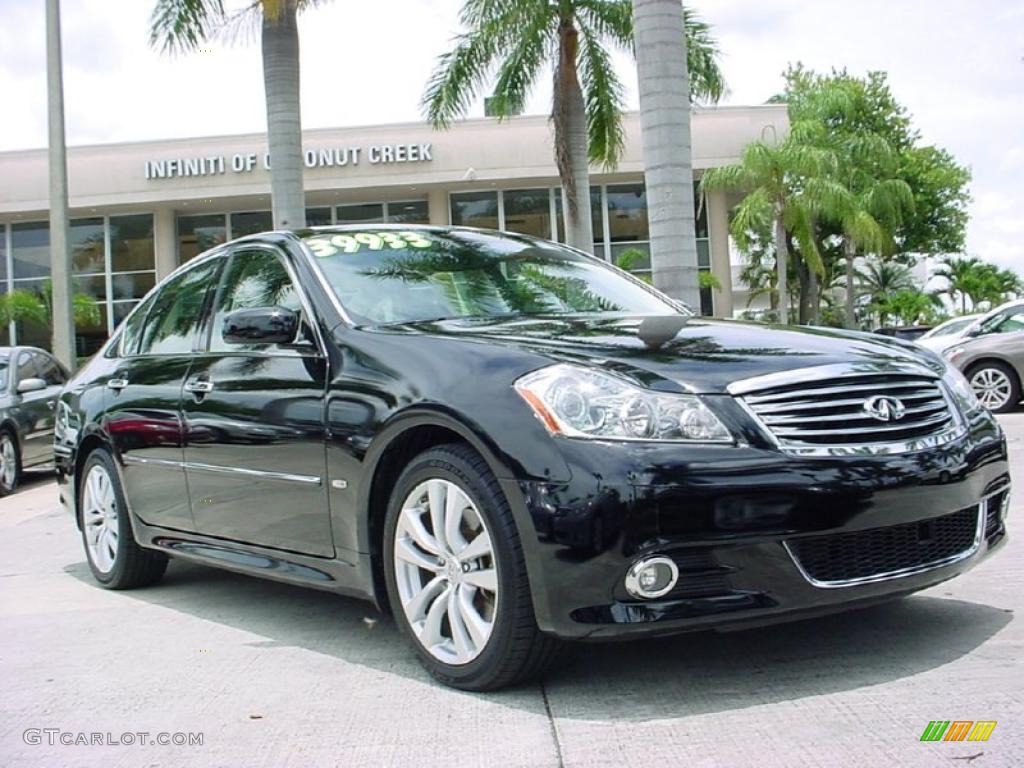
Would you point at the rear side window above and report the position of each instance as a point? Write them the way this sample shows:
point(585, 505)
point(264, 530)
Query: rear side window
point(172, 321)
point(49, 370)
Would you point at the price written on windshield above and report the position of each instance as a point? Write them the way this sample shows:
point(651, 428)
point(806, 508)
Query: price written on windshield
point(353, 242)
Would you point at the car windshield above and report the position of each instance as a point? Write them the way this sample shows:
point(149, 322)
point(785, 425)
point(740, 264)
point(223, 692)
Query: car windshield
point(951, 327)
point(388, 276)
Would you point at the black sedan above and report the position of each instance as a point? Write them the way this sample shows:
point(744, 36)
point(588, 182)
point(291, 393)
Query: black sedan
point(30, 383)
point(505, 442)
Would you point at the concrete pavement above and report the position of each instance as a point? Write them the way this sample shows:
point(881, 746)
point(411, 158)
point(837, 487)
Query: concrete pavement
point(274, 675)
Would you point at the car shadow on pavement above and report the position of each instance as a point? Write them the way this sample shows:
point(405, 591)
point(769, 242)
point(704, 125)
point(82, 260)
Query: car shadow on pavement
point(677, 676)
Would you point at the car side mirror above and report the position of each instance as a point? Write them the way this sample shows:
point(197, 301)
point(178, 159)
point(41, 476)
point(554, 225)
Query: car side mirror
point(261, 325)
point(31, 385)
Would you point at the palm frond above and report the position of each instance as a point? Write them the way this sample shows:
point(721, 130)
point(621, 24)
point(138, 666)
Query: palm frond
point(707, 83)
point(177, 26)
point(523, 63)
point(603, 95)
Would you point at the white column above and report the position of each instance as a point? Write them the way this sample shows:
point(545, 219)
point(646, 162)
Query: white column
point(165, 242)
point(437, 205)
point(718, 241)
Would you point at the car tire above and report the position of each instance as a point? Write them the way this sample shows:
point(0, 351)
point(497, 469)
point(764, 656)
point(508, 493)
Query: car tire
point(470, 618)
point(10, 462)
point(996, 385)
point(115, 559)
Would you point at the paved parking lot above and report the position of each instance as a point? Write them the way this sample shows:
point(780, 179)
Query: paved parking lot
point(273, 675)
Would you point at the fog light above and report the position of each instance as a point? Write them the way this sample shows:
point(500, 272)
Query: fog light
point(651, 577)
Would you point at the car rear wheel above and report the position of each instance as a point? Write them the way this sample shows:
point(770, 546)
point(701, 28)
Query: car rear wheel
point(996, 386)
point(115, 559)
point(10, 463)
point(455, 573)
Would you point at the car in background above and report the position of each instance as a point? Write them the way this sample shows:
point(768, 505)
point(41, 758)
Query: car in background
point(30, 382)
point(905, 332)
point(948, 333)
point(991, 356)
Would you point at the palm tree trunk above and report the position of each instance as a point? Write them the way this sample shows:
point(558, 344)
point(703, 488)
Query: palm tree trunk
point(569, 115)
point(663, 77)
point(60, 254)
point(813, 296)
point(849, 253)
point(284, 124)
point(781, 267)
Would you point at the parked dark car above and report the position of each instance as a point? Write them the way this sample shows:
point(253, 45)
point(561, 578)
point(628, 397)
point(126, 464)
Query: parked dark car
point(509, 442)
point(905, 332)
point(30, 383)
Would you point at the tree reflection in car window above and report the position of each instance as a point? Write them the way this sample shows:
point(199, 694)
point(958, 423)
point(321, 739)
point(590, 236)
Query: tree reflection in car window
point(465, 274)
point(255, 278)
point(172, 321)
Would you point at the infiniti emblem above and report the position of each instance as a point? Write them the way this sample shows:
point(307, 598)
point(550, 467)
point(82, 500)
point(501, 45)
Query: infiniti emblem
point(884, 408)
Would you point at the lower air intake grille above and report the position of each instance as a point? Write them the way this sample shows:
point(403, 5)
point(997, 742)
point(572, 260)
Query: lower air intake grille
point(878, 552)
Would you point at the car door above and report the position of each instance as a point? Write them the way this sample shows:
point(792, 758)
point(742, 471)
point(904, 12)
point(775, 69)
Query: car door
point(255, 449)
point(33, 412)
point(143, 406)
point(53, 375)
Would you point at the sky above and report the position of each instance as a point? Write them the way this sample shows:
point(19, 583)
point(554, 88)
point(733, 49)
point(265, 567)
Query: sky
point(958, 68)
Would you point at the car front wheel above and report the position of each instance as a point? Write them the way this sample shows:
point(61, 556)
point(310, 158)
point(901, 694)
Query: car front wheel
point(996, 386)
point(455, 573)
point(115, 559)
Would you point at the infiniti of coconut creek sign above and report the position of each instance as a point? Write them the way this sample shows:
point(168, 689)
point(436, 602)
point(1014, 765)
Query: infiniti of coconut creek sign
point(247, 162)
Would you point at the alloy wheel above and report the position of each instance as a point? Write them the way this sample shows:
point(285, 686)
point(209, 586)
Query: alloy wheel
point(100, 518)
point(993, 387)
point(8, 461)
point(446, 571)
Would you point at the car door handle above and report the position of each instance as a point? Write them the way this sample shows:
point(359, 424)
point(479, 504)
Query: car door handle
point(51, 404)
point(199, 386)
point(117, 383)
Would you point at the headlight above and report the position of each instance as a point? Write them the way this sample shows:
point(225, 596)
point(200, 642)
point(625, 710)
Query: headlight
point(580, 402)
point(961, 389)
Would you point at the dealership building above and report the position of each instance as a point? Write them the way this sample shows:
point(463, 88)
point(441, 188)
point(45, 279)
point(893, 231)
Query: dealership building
point(140, 209)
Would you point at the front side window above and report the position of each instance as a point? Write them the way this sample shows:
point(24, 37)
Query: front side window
point(26, 367)
point(49, 370)
point(384, 276)
point(172, 321)
point(1011, 322)
point(255, 278)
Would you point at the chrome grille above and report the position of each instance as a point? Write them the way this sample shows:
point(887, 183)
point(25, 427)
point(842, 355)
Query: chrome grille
point(834, 411)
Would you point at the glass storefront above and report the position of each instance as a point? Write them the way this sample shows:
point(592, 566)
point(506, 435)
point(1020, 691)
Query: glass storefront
point(112, 265)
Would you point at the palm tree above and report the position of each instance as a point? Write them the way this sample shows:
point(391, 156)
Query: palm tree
point(22, 305)
point(780, 182)
point(879, 278)
point(185, 25)
point(517, 39)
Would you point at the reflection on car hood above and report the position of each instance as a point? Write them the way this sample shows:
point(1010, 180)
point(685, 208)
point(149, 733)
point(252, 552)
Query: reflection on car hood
point(703, 354)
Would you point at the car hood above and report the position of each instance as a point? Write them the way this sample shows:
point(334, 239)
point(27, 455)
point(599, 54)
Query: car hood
point(701, 354)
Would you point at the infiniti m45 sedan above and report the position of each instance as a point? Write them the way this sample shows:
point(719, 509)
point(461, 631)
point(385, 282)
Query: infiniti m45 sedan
point(507, 443)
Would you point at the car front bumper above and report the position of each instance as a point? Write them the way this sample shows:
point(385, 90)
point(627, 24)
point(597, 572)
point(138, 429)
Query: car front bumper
point(757, 536)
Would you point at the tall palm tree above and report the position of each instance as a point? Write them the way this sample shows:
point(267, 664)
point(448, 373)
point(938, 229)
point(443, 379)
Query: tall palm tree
point(780, 182)
point(515, 40)
point(185, 25)
point(879, 281)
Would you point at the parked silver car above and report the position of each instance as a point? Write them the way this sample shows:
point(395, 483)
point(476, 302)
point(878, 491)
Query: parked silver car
point(991, 356)
point(30, 382)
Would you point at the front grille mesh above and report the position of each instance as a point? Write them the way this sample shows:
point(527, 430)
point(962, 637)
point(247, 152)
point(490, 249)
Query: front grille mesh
point(865, 554)
point(832, 411)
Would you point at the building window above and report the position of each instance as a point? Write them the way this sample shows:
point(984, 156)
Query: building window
point(707, 295)
point(30, 249)
point(596, 219)
point(407, 212)
point(362, 213)
point(132, 263)
point(250, 223)
point(200, 233)
point(475, 209)
point(318, 217)
point(528, 211)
